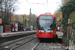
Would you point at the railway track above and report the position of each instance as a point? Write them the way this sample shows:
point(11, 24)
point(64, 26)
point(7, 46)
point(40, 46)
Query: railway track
point(21, 44)
point(35, 46)
point(48, 46)
point(16, 43)
point(31, 43)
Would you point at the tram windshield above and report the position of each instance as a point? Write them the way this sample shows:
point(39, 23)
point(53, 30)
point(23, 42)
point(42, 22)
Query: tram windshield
point(45, 22)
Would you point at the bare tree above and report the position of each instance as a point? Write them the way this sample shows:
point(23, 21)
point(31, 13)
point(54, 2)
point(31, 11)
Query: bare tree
point(6, 8)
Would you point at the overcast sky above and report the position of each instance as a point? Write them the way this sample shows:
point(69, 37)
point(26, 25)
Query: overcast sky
point(37, 6)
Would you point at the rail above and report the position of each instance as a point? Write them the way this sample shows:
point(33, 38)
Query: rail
point(1, 46)
point(35, 46)
point(21, 44)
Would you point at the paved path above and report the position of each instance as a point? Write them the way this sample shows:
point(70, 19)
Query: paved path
point(60, 34)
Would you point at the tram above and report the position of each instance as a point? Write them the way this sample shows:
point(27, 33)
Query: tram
point(46, 26)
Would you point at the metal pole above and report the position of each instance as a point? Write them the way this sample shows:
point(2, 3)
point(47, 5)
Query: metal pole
point(23, 20)
point(47, 4)
point(30, 17)
point(10, 18)
point(72, 25)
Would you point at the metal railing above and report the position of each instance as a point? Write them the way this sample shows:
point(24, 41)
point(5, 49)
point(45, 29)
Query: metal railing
point(72, 36)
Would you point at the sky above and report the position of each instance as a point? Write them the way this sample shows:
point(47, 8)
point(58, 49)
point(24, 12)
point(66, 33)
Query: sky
point(37, 6)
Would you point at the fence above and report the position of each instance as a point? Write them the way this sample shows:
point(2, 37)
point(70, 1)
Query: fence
point(72, 40)
point(72, 35)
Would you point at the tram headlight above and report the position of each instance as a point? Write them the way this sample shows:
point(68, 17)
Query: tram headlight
point(51, 32)
point(40, 32)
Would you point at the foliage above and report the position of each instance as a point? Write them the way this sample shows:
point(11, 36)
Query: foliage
point(67, 9)
point(58, 15)
point(72, 17)
point(33, 19)
point(6, 7)
point(64, 1)
point(65, 41)
point(22, 18)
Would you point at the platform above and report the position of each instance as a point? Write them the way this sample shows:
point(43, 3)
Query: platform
point(16, 33)
point(59, 34)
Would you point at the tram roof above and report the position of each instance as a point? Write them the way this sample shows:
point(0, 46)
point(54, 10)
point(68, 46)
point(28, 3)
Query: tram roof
point(47, 15)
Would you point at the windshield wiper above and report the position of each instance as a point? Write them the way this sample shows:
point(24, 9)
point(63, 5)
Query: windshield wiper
point(43, 29)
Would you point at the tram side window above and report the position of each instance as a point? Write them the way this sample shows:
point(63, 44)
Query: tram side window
point(37, 22)
point(54, 24)
point(38, 27)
